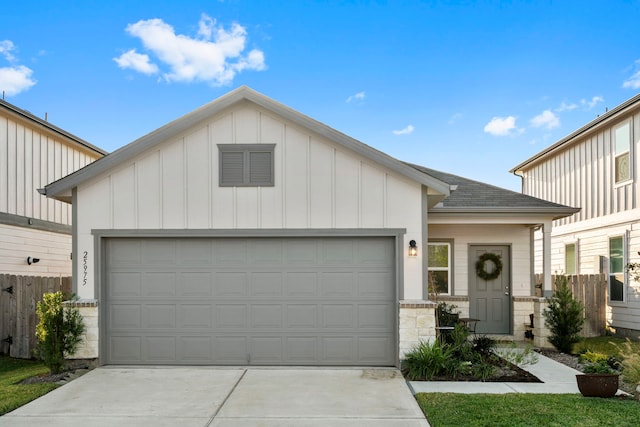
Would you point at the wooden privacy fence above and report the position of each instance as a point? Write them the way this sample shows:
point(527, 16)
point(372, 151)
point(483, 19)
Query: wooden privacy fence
point(591, 289)
point(18, 320)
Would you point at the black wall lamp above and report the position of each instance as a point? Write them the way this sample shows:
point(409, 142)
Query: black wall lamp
point(31, 260)
point(413, 248)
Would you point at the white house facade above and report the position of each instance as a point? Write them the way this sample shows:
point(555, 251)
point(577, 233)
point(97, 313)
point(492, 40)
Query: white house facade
point(33, 153)
point(248, 233)
point(596, 168)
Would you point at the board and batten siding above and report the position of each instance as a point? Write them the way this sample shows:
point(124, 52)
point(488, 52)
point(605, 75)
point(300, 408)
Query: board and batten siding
point(514, 236)
point(30, 158)
point(318, 185)
point(582, 175)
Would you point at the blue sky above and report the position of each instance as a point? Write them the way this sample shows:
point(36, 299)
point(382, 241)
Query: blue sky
point(468, 87)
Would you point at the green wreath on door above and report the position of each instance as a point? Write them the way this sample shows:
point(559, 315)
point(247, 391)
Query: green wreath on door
point(480, 270)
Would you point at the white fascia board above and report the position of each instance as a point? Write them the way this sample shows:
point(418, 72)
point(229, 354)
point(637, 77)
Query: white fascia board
point(498, 215)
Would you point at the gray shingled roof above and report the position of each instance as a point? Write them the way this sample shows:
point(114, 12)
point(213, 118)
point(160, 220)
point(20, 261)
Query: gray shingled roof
point(474, 196)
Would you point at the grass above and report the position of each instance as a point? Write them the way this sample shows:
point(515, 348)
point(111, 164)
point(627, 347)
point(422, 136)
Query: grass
point(12, 394)
point(603, 345)
point(514, 410)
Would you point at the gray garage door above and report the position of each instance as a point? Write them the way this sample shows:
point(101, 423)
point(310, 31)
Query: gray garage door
point(258, 301)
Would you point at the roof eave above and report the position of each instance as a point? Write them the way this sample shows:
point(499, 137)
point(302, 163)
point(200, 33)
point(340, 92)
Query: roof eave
point(594, 124)
point(553, 212)
point(181, 124)
point(52, 128)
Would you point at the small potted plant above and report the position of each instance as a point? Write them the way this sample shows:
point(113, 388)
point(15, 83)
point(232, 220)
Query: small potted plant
point(598, 380)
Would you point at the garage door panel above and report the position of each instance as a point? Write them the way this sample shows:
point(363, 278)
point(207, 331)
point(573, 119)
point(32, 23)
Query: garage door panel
point(266, 316)
point(199, 316)
point(125, 316)
point(230, 284)
point(374, 349)
point(231, 349)
point(161, 252)
point(301, 350)
point(339, 284)
point(159, 349)
point(301, 252)
point(374, 284)
point(266, 350)
point(125, 284)
point(301, 316)
point(301, 301)
point(159, 316)
point(196, 349)
point(228, 252)
point(375, 316)
point(158, 284)
point(266, 284)
point(124, 349)
point(199, 284)
point(302, 284)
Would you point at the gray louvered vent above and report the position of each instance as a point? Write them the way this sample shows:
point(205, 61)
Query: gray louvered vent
point(246, 165)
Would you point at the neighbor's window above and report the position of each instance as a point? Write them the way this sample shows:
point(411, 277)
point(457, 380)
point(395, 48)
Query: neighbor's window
point(570, 258)
point(623, 153)
point(616, 268)
point(439, 267)
point(246, 165)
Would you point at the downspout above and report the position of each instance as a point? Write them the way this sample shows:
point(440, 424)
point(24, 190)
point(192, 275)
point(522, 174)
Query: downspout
point(521, 181)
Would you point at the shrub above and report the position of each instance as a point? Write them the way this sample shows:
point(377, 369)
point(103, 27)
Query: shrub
point(58, 332)
point(592, 357)
point(601, 367)
point(564, 317)
point(630, 363)
point(426, 360)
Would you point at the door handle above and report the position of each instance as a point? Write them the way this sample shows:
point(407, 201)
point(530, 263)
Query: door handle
point(506, 290)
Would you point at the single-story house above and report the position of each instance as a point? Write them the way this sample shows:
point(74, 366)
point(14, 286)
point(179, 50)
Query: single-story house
point(248, 233)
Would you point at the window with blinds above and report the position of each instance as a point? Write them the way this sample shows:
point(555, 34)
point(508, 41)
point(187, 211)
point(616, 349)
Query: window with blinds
point(246, 165)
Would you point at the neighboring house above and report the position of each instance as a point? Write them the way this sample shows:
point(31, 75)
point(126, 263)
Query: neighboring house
point(596, 168)
point(33, 152)
point(247, 233)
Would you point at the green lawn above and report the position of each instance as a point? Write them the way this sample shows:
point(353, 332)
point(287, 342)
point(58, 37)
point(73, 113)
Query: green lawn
point(604, 345)
point(14, 395)
point(513, 410)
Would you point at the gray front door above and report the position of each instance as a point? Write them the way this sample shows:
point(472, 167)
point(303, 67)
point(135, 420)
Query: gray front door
point(236, 301)
point(490, 300)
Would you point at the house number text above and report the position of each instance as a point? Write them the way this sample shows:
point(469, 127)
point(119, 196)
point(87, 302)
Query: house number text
point(85, 256)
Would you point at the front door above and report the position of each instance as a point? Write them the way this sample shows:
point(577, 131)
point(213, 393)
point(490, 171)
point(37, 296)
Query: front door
point(490, 292)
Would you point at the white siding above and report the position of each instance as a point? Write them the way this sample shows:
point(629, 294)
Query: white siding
point(30, 158)
point(318, 184)
point(583, 176)
point(18, 243)
point(516, 236)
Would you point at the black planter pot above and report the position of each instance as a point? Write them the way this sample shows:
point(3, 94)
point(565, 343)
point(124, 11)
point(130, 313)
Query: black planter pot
point(597, 385)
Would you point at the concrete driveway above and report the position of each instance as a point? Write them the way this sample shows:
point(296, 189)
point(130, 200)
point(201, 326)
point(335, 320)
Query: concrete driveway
point(208, 396)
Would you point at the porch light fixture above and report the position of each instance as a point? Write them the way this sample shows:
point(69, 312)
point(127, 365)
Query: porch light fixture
point(413, 248)
point(31, 260)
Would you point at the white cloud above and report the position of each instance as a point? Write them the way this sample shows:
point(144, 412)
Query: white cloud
point(633, 82)
point(358, 97)
point(406, 131)
point(216, 55)
point(137, 62)
point(546, 119)
point(589, 104)
point(14, 80)
point(6, 46)
point(566, 107)
point(501, 126)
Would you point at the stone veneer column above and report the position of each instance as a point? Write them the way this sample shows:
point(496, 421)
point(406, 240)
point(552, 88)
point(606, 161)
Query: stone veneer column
point(417, 323)
point(88, 348)
point(541, 331)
